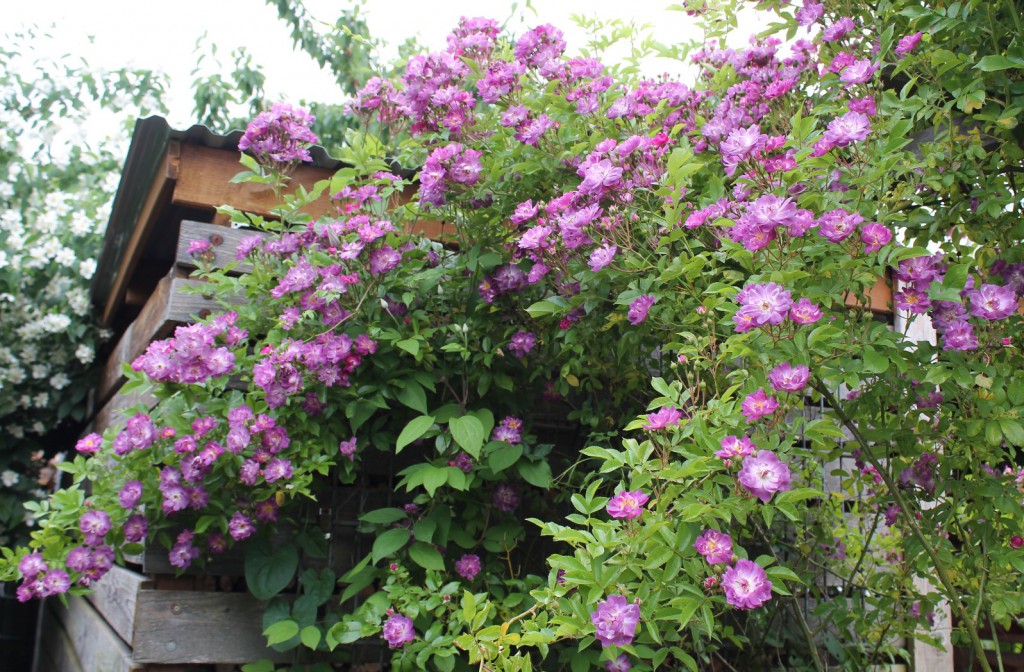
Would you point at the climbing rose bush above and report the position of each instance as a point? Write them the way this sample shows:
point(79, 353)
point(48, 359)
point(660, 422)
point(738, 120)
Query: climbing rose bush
point(765, 468)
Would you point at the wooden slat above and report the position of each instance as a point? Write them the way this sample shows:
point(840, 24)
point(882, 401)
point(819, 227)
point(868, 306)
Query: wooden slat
point(114, 597)
point(156, 202)
point(204, 181)
point(224, 240)
point(197, 627)
point(77, 638)
point(112, 414)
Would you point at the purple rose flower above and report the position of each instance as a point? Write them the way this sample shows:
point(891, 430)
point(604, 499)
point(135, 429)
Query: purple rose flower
point(384, 259)
point(874, 236)
point(788, 378)
point(763, 304)
point(666, 416)
point(715, 546)
point(615, 621)
point(845, 130)
point(858, 72)
point(764, 474)
point(468, 566)
point(602, 256)
point(32, 565)
point(281, 135)
point(758, 405)
point(907, 44)
point(992, 302)
point(130, 494)
point(620, 664)
point(398, 631)
point(509, 431)
point(89, 444)
point(506, 497)
point(240, 526)
point(746, 585)
point(522, 343)
point(735, 446)
point(94, 525)
point(959, 336)
point(135, 528)
point(278, 469)
point(627, 504)
point(55, 582)
point(348, 448)
point(639, 307)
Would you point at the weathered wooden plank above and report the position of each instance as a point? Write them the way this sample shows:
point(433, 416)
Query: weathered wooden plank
point(112, 413)
point(224, 241)
point(115, 596)
point(82, 640)
point(198, 627)
point(160, 193)
point(205, 176)
point(54, 651)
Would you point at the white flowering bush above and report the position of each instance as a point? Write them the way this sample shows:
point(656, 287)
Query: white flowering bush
point(55, 196)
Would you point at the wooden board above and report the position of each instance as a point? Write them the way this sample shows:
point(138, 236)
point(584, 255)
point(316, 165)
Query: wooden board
point(77, 638)
point(188, 627)
point(204, 180)
point(224, 240)
point(113, 413)
point(115, 597)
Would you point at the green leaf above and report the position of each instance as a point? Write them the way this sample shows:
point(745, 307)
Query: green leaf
point(468, 432)
point(434, 478)
point(535, 473)
point(259, 666)
point(992, 63)
point(388, 543)
point(416, 428)
point(281, 631)
point(552, 306)
point(310, 637)
point(269, 567)
point(504, 457)
point(426, 556)
point(413, 396)
point(383, 516)
point(410, 345)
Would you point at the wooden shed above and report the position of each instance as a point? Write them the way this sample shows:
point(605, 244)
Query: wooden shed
point(147, 617)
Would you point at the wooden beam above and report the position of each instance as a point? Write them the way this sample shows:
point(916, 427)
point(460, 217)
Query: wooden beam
point(114, 597)
point(156, 202)
point(224, 241)
point(84, 641)
point(113, 414)
point(182, 627)
point(879, 298)
point(205, 182)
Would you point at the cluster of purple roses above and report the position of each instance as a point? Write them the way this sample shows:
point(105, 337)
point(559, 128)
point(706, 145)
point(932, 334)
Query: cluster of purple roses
point(988, 302)
point(281, 135)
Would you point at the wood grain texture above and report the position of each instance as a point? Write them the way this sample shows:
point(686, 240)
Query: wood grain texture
point(77, 639)
point(205, 176)
point(113, 412)
point(187, 627)
point(224, 241)
point(160, 193)
point(115, 596)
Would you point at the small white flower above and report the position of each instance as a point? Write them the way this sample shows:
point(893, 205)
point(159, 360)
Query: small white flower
point(87, 268)
point(9, 478)
point(85, 354)
point(30, 519)
point(40, 371)
point(40, 401)
point(60, 381)
point(38, 427)
point(17, 431)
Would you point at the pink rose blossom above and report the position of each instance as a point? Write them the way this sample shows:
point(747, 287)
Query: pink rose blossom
point(758, 405)
point(764, 474)
point(615, 621)
point(715, 546)
point(746, 585)
point(627, 504)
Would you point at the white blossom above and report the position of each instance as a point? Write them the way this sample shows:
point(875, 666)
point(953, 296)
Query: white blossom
point(87, 268)
point(60, 381)
point(40, 401)
point(85, 354)
point(9, 478)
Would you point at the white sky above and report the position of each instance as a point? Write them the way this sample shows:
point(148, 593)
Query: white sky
point(110, 33)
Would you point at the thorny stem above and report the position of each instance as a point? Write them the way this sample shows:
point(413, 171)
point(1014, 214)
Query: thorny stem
point(905, 512)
